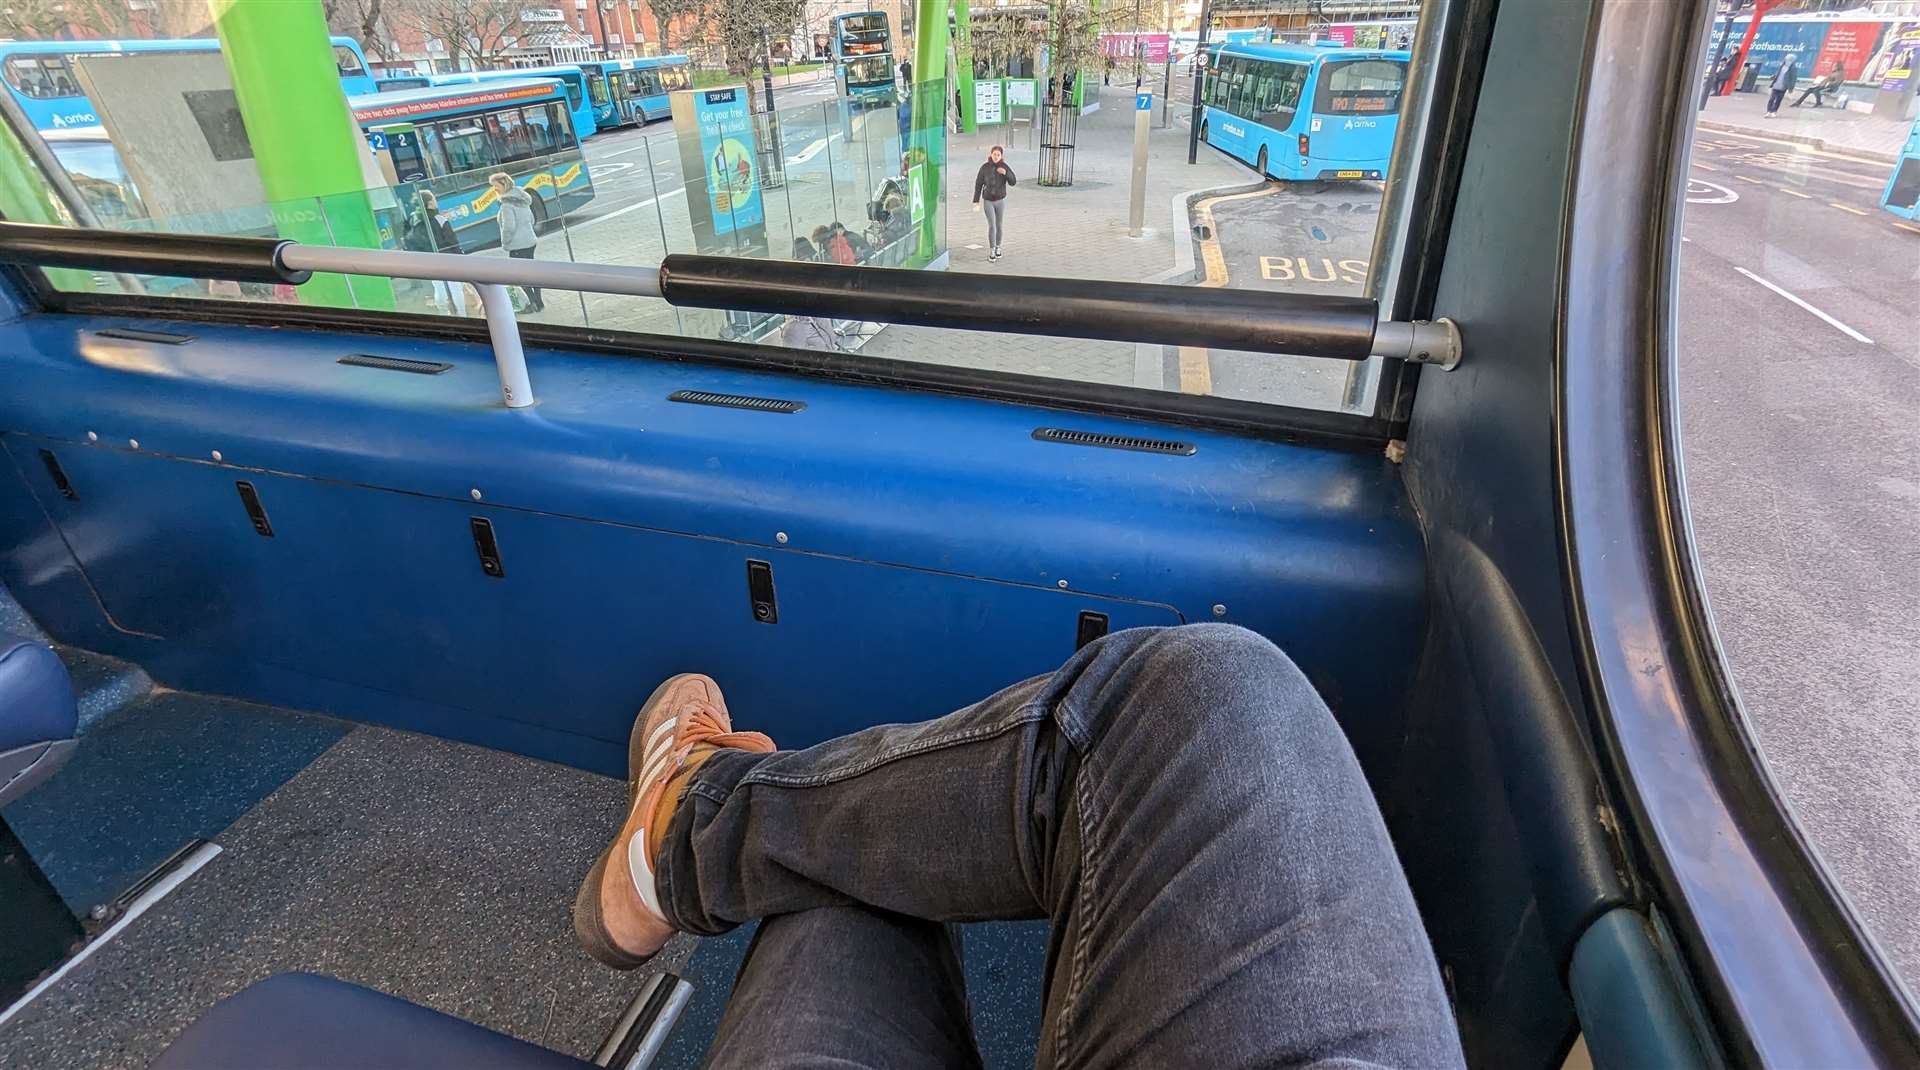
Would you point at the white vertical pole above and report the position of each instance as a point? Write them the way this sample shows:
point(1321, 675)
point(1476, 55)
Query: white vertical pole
point(515, 387)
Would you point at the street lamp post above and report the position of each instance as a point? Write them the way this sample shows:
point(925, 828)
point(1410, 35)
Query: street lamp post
point(1199, 78)
point(766, 73)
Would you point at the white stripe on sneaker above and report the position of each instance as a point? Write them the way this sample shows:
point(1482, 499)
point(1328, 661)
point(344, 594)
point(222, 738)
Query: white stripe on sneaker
point(642, 869)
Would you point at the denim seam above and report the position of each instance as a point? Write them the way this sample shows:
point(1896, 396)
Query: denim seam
point(1028, 714)
point(1090, 823)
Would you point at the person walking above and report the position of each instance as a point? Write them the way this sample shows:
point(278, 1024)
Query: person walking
point(990, 196)
point(1783, 80)
point(517, 235)
point(1830, 84)
point(430, 230)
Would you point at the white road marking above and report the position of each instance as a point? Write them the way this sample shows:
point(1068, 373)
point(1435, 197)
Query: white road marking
point(619, 152)
point(1836, 324)
point(634, 207)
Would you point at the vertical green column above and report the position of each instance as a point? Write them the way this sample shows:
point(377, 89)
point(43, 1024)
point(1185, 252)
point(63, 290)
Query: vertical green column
point(963, 65)
point(927, 135)
point(305, 143)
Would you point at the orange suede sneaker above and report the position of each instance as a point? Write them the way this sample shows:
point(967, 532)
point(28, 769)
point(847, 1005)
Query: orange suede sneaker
point(617, 914)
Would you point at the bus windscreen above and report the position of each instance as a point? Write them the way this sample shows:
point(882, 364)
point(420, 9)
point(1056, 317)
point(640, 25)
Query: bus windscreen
point(1360, 87)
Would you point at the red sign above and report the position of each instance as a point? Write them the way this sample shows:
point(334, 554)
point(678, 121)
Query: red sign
point(1851, 45)
point(465, 100)
point(1153, 46)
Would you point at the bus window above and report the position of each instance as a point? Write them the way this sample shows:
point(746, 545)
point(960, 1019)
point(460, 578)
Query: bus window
point(100, 177)
point(510, 136)
point(430, 149)
point(347, 61)
point(1274, 93)
point(40, 77)
point(597, 92)
point(466, 145)
point(1360, 86)
point(538, 122)
point(573, 91)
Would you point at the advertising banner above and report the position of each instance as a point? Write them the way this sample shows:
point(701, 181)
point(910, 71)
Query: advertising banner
point(1849, 44)
point(726, 144)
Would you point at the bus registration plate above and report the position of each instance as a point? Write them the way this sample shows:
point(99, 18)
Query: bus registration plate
point(1349, 174)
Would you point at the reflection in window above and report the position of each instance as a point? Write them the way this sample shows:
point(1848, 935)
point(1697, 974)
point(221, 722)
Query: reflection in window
point(348, 61)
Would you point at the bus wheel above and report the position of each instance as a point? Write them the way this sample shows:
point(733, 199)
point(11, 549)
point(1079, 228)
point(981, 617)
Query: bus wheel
point(540, 224)
point(1261, 164)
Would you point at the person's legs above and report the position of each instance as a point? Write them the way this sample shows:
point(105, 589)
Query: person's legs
point(994, 210)
point(1773, 100)
point(847, 987)
point(533, 292)
point(1178, 801)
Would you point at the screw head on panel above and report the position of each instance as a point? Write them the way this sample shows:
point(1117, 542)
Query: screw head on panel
point(1219, 609)
point(476, 493)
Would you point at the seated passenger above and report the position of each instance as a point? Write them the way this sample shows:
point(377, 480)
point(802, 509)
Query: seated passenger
point(1178, 802)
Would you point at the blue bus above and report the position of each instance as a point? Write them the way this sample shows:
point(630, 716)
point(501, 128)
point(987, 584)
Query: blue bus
point(41, 77)
point(447, 139)
point(1902, 195)
point(629, 92)
point(1300, 113)
point(570, 76)
point(863, 56)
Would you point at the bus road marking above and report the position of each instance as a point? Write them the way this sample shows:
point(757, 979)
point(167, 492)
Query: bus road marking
point(1700, 191)
point(1908, 226)
point(1755, 181)
point(1196, 371)
point(1791, 192)
point(1705, 166)
point(1836, 324)
point(1844, 208)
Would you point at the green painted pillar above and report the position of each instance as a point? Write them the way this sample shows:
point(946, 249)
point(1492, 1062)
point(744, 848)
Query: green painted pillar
point(927, 134)
point(963, 64)
point(305, 142)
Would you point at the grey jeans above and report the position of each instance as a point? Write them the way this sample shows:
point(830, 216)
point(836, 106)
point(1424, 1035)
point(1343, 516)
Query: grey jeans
point(996, 212)
point(1178, 801)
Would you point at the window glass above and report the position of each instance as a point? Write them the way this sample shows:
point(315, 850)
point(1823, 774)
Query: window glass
point(466, 144)
point(347, 61)
point(855, 182)
point(42, 77)
point(1360, 87)
point(1796, 352)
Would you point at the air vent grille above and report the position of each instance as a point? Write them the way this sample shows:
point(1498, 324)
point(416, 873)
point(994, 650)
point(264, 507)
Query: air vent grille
point(395, 364)
point(736, 401)
point(1114, 442)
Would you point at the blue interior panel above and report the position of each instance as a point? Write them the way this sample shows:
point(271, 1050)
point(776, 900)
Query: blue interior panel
point(925, 549)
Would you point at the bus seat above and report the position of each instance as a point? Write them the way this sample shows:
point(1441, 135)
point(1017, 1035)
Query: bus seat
point(302, 1021)
point(38, 715)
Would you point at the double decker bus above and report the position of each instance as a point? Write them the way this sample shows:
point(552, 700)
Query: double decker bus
point(1299, 113)
point(41, 77)
point(630, 92)
point(447, 139)
point(862, 47)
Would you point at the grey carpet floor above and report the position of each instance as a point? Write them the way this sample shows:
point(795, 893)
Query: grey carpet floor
point(439, 872)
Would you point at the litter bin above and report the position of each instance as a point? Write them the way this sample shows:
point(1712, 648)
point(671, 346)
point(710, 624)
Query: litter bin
point(1749, 74)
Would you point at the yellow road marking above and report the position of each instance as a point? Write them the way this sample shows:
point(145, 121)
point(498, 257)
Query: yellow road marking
point(1705, 166)
point(1908, 226)
point(1196, 375)
point(1795, 193)
point(1755, 181)
point(1844, 208)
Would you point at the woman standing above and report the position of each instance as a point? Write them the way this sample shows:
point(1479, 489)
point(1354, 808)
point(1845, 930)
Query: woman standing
point(429, 230)
point(990, 188)
point(517, 235)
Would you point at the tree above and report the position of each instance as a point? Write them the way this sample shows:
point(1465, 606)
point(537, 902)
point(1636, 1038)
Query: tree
point(35, 20)
point(364, 21)
point(668, 12)
point(474, 32)
point(742, 28)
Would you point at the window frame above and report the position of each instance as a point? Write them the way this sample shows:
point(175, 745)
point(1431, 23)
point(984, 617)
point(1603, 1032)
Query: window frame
point(1375, 428)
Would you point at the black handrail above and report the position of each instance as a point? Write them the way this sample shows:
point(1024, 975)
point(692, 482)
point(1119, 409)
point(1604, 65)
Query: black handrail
point(193, 256)
point(1254, 320)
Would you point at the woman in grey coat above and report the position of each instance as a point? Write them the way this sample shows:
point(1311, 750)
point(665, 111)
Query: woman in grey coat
point(517, 235)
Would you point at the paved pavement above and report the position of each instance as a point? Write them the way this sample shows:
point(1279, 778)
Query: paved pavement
point(1799, 377)
point(1835, 129)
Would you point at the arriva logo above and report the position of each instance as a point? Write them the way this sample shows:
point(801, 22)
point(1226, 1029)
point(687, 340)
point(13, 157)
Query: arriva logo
point(1236, 131)
point(79, 118)
point(1361, 124)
